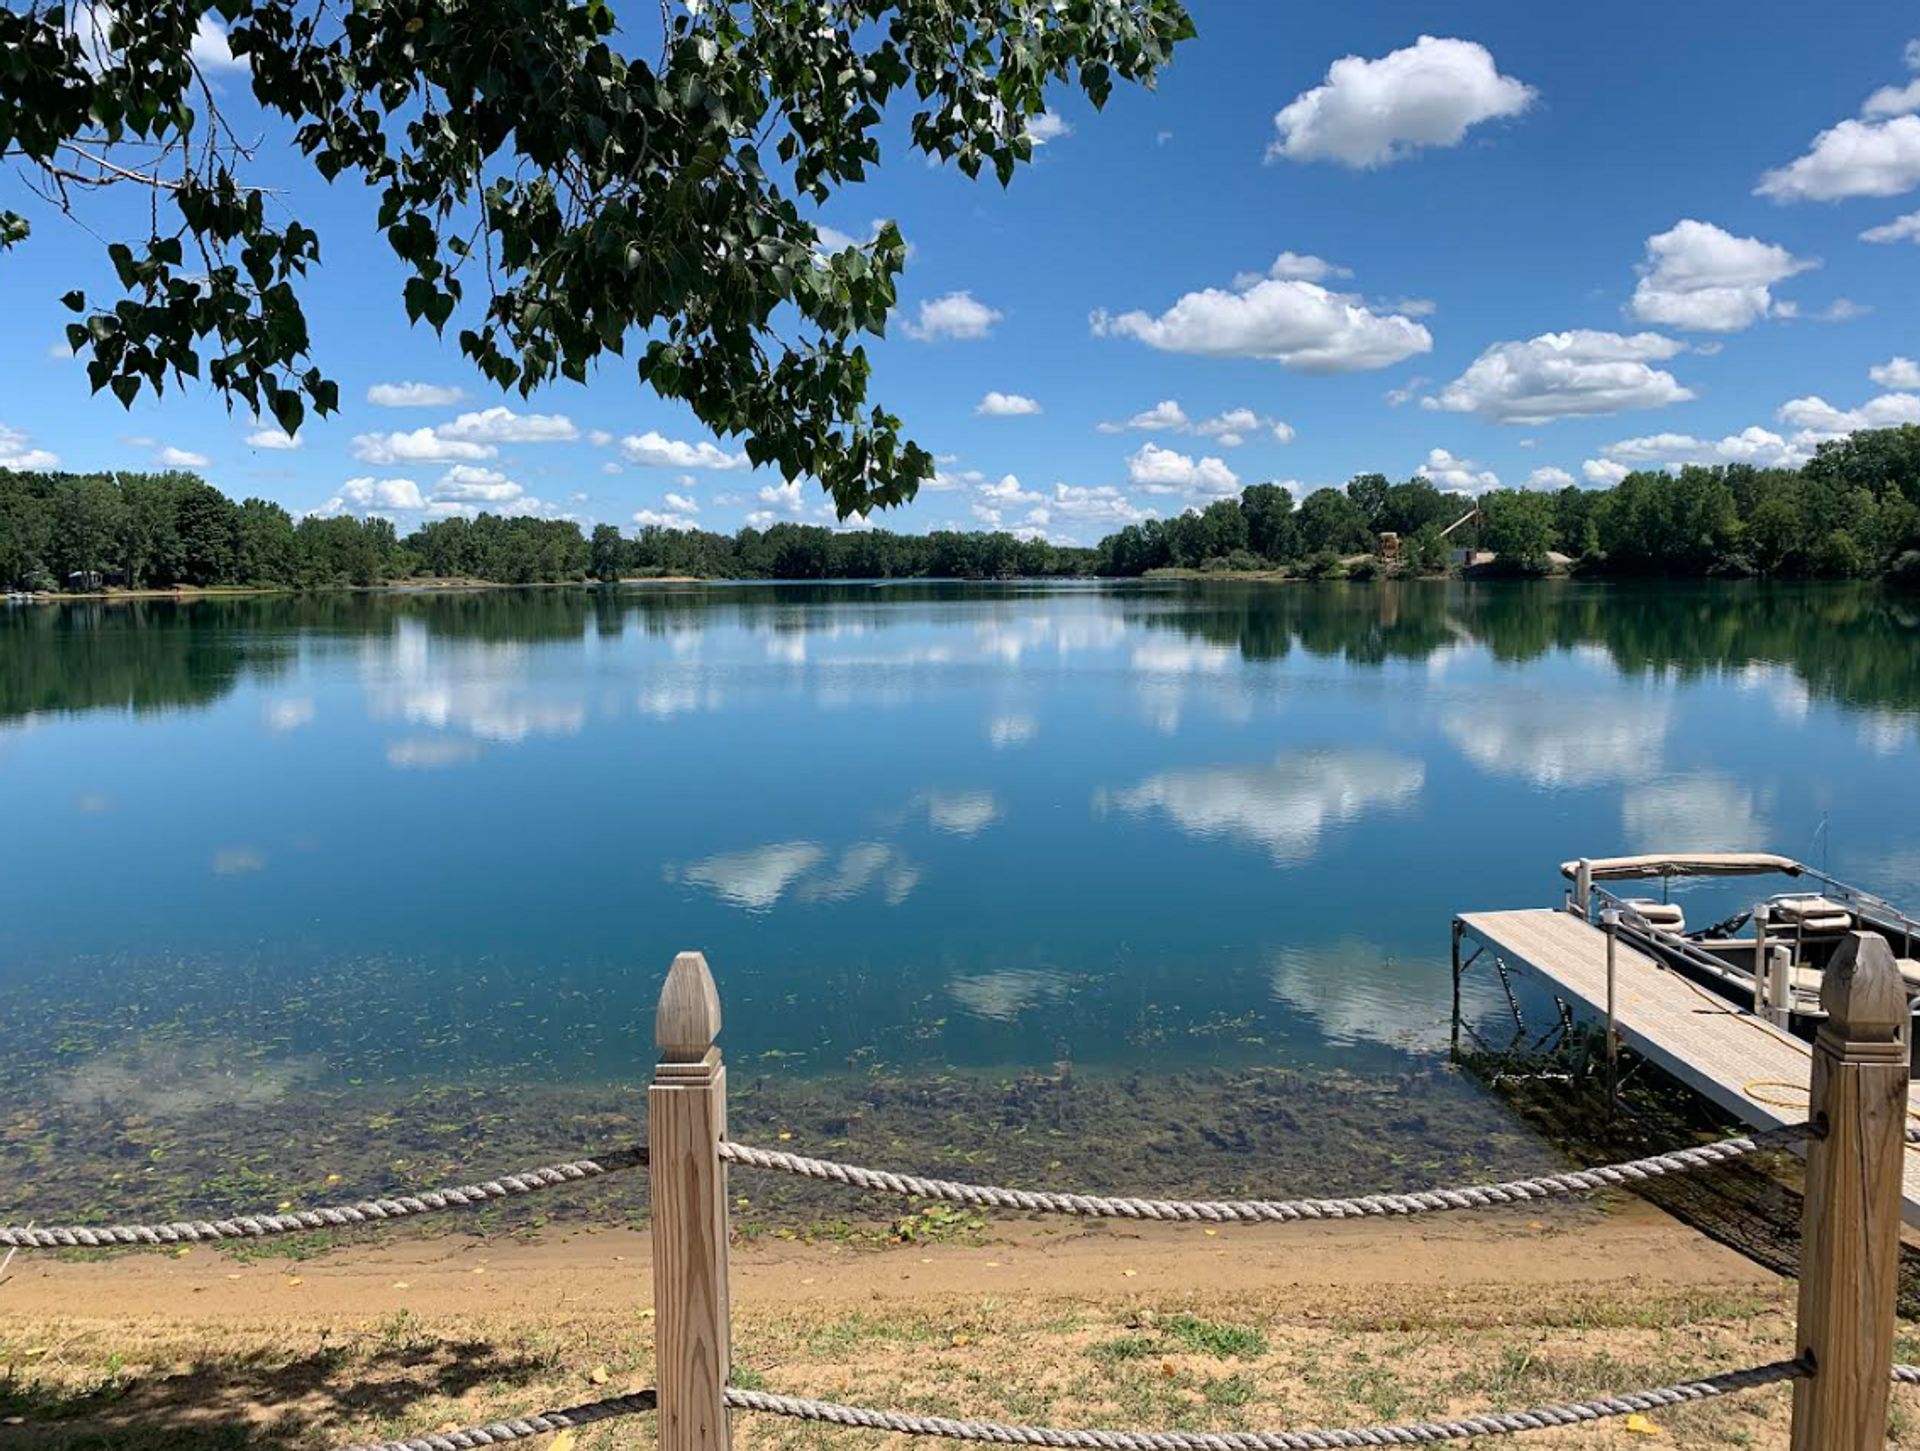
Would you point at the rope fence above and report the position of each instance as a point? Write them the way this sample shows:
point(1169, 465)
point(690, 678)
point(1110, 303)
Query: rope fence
point(1408, 1433)
point(339, 1216)
point(1221, 1211)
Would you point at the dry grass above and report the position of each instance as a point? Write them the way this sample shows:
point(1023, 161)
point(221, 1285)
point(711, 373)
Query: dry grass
point(1313, 1357)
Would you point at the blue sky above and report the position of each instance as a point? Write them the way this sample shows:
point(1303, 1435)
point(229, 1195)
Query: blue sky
point(1530, 248)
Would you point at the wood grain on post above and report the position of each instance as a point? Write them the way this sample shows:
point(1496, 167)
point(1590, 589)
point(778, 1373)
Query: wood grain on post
point(686, 1120)
point(1850, 1249)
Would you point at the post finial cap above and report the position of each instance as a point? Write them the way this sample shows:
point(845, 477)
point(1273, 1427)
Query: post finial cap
point(688, 1018)
point(1862, 992)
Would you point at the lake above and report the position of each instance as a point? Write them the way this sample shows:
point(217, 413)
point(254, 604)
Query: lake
point(382, 886)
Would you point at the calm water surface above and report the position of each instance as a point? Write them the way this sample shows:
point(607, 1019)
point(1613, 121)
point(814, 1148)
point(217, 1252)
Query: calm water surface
point(311, 856)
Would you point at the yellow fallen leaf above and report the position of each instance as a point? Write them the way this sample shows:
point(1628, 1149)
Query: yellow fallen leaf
point(286, 1204)
point(293, 1280)
point(479, 1269)
point(401, 1285)
point(565, 1441)
point(1210, 1233)
point(599, 1375)
point(1129, 1273)
point(182, 1252)
point(783, 1134)
point(960, 1340)
point(333, 1178)
point(1639, 1425)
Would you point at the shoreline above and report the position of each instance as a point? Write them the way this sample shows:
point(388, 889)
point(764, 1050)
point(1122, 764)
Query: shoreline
point(1052, 1322)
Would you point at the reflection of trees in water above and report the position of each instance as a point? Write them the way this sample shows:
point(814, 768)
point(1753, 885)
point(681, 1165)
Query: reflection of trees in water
point(1853, 644)
point(141, 656)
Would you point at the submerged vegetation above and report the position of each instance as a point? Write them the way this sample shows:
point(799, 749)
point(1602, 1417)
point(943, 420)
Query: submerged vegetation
point(1853, 512)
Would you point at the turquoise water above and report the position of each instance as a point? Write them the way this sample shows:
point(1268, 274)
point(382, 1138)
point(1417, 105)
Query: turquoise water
point(379, 844)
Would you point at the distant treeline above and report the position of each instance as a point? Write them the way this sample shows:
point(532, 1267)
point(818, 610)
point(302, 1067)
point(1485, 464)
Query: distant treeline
point(1852, 512)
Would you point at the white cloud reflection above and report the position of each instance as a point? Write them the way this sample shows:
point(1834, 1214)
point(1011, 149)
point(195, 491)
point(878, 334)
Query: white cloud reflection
point(1560, 741)
point(1006, 993)
point(484, 689)
point(1701, 812)
point(757, 879)
point(1284, 807)
point(1006, 731)
point(1355, 992)
point(962, 813)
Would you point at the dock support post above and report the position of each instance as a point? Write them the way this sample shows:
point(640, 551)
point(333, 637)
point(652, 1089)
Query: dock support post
point(686, 1121)
point(1851, 1226)
point(1780, 988)
point(1583, 889)
point(1458, 928)
point(1610, 919)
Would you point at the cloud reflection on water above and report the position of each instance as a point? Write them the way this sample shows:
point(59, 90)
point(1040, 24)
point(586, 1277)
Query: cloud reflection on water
point(1285, 806)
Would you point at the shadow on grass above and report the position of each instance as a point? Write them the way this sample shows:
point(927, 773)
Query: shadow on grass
point(263, 1401)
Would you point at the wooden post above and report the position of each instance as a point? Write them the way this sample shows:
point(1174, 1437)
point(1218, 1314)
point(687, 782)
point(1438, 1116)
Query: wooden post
point(1458, 928)
point(686, 1120)
point(1762, 957)
point(1850, 1247)
point(1610, 919)
point(1583, 888)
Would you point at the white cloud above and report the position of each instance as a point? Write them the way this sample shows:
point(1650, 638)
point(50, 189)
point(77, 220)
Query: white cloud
point(1701, 277)
point(1411, 390)
point(369, 495)
point(414, 395)
point(1296, 267)
point(1006, 405)
point(170, 457)
point(1460, 475)
point(269, 436)
point(1164, 470)
point(1101, 504)
point(654, 519)
point(1165, 416)
point(210, 50)
point(1893, 100)
point(1603, 471)
point(681, 503)
point(1006, 492)
point(1900, 229)
point(1375, 112)
point(785, 496)
point(1549, 477)
point(503, 425)
point(1299, 324)
point(1854, 158)
point(422, 445)
point(957, 315)
point(599, 438)
point(1047, 127)
point(14, 453)
point(1896, 372)
point(657, 451)
point(1820, 419)
point(1758, 446)
point(465, 484)
point(1565, 375)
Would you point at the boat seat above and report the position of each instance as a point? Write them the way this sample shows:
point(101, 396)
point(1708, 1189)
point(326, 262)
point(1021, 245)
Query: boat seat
point(1665, 915)
point(1810, 914)
point(1808, 978)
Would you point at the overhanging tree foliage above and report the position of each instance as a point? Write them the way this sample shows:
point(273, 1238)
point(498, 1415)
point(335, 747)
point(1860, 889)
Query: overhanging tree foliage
point(601, 199)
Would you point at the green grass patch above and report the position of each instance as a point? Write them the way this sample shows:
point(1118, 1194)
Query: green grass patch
point(1211, 1337)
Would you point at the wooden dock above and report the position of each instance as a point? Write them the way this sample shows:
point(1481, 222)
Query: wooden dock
point(1740, 1061)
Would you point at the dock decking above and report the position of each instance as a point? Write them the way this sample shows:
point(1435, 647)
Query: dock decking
point(1708, 1043)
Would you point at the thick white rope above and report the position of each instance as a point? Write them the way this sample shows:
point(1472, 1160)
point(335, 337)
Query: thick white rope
point(1415, 1433)
point(339, 1216)
point(1213, 1211)
point(499, 1433)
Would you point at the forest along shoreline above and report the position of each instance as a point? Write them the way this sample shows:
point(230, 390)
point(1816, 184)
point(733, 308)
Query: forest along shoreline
point(1851, 512)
